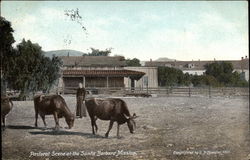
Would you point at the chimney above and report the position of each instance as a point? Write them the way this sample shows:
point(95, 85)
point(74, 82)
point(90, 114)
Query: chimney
point(242, 58)
point(214, 59)
point(245, 57)
point(150, 60)
point(68, 54)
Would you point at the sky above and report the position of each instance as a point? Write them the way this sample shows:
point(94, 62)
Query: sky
point(189, 30)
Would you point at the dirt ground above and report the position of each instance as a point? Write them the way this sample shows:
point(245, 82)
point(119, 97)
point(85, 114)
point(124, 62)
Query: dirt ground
point(174, 128)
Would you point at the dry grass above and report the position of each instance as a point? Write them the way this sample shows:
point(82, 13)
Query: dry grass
point(168, 128)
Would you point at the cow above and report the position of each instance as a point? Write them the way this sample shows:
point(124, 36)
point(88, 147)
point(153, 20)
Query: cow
point(113, 109)
point(6, 106)
point(53, 105)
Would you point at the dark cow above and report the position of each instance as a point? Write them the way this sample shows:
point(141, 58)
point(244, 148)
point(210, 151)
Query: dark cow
point(112, 109)
point(53, 105)
point(6, 106)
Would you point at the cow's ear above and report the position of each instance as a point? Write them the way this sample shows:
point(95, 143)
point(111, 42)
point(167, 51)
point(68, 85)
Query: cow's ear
point(135, 116)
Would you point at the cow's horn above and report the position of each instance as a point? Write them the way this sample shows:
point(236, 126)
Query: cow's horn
point(127, 117)
point(41, 97)
point(95, 101)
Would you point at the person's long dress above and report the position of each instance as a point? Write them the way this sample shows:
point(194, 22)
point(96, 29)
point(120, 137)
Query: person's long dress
point(80, 106)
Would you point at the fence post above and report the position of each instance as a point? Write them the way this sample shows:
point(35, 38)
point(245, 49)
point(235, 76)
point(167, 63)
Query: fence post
point(209, 91)
point(189, 92)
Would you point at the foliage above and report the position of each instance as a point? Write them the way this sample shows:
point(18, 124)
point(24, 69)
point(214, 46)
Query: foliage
point(196, 80)
point(97, 52)
point(187, 79)
point(49, 70)
point(238, 81)
point(168, 76)
point(6, 49)
point(31, 70)
point(217, 75)
point(6, 37)
point(133, 62)
point(204, 80)
point(223, 73)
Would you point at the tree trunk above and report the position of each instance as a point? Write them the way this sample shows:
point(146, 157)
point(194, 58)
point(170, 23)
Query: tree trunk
point(3, 86)
point(23, 93)
point(22, 96)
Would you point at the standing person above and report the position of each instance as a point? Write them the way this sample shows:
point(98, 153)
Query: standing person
point(80, 106)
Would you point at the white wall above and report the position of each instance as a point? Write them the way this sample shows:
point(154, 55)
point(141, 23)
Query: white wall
point(246, 73)
point(194, 72)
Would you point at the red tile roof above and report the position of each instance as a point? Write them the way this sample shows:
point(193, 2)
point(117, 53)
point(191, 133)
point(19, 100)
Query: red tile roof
point(103, 73)
point(103, 61)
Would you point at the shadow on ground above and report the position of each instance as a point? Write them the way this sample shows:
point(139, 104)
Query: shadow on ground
point(21, 127)
point(55, 132)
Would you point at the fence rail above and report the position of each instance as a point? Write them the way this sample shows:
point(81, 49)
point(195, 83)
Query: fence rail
point(166, 91)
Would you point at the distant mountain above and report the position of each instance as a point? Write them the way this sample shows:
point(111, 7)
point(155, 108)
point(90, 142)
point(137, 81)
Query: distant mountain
point(64, 52)
point(164, 59)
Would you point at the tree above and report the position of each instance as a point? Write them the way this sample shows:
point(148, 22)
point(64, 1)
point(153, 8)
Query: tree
point(6, 38)
point(187, 79)
point(97, 52)
point(32, 71)
point(208, 80)
point(6, 49)
point(223, 73)
point(52, 70)
point(238, 81)
point(133, 62)
point(168, 76)
point(196, 80)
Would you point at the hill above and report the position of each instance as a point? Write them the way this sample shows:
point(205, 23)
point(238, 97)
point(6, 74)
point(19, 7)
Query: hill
point(64, 52)
point(164, 59)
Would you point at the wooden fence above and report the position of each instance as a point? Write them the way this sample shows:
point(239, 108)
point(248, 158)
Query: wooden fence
point(167, 91)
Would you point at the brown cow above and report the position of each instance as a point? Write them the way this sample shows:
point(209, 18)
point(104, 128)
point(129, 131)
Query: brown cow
point(112, 109)
point(6, 106)
point(53, 105)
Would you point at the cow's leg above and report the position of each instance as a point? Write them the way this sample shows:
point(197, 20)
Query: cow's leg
point(36, 117)
point(3, 121)
point(110, 127)
point(93, 124)
point(96, 128)
point(118, 127)
point(56, 120)
point(43, 118)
